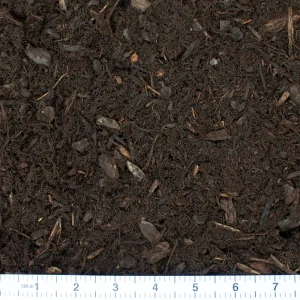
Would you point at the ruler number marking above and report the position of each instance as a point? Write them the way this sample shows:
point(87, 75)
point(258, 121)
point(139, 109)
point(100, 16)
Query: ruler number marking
point(235, 287)
point(116, 287)
point(30, 286)
point(76, 287)
point(195, 287)
point(275, 285)
point(155, 287)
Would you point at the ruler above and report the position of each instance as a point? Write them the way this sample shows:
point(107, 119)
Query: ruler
point(275, 287)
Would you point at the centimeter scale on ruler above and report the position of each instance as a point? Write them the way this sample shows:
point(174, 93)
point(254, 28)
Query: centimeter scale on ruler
point(21, 286)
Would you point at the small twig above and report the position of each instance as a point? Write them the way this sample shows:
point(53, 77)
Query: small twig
point(151, 151)
point(227, 227)
point(55, 85)
point(221, 100)
point(255, 33)
point(112, 10)
point(290, 30)
point(283, 98)
point(22, 234)
point(153, 187)
point(104, 7)
point(263, 233)
point(281, 266)
point(261, 260)
point(247, 269)
point(262, 77)
point(4, 14)
point(56, 229)
point(107, 20)
point(152, 90)
point(59, 79)
point(170, 257)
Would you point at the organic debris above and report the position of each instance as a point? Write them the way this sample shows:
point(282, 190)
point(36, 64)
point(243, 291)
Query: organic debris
point(293, 175)
point(81, 145)
point(62, 5)
point(150, 232)
point(285, 96)
point(111, 114)
point(159, 252)
point(295, 93)
point(107, 122)
point(276, 25)
point(261, 267)
point(247, 270)
point(108, 164)
point(291, 194)
point(39, 56)
point(94, 254)
point(289, 223)
point(136, 171)
point(53, 270)
point(140, 5)
point(230, 212)
point(124, 152)
point(219, 135)
point(46, 114)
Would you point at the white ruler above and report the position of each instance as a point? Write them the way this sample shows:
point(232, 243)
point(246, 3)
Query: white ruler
point(62, 287)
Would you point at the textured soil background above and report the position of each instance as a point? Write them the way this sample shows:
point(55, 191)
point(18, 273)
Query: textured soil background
point(193, 99)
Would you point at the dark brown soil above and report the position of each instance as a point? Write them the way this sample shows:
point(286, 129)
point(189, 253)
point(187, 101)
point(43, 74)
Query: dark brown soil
point(58, 205)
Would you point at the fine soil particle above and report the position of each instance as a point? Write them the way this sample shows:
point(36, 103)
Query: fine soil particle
point(144, 137)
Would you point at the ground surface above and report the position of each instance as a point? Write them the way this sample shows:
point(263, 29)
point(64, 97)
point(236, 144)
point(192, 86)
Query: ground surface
point(65, 188)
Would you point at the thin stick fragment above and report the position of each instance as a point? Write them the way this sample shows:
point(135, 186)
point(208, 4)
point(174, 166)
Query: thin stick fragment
point(262, 77)
point(56, 229)
point(266, 261)
point(151, 151)
point(10, 198)
point(196, 170)
point(73, 219)
point(4, 14)
point(255, 33)
point(279, 24)
point(281, 266)
point(22, 234)
point(247, 269)
point(227, 227)
point(55, 85)
point(170, 257)
point(152, 90)
point(112, 10)
point(283, 99)
point(290, 30)
point(59, 79)
point(104, 7)
point(153, 187)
